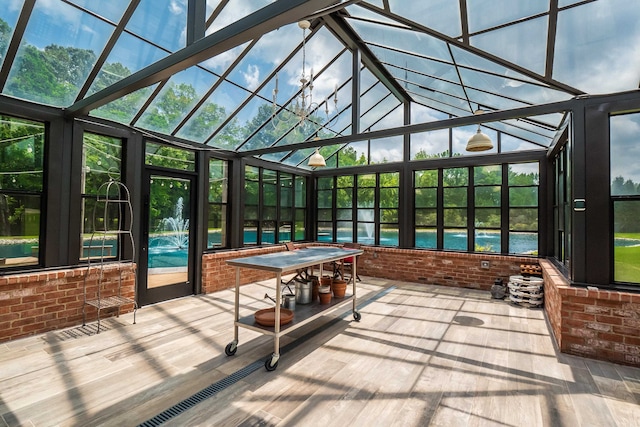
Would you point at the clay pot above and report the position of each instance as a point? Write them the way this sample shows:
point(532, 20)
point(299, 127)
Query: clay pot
point(339, 288)
point(326, 281)
point(324, 294)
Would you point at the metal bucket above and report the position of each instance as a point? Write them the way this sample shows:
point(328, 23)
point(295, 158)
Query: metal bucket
point(303, 292)
point(289, 301)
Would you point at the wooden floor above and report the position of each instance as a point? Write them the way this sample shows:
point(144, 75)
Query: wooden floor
point(421, 355)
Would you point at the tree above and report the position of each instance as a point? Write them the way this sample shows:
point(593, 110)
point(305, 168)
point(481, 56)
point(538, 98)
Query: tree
point(51, 76)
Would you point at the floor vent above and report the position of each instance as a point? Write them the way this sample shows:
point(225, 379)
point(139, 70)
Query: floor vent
point(216, 387)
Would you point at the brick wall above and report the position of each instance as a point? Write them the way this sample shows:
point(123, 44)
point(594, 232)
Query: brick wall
point(218, 275)
point(33, 303)
point(598, 324)
point(420, 266)
point(439, 268)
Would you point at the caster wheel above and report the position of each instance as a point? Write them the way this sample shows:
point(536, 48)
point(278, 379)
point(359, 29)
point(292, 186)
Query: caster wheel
point(269, 366)
point(231, 349)
point(356, 316)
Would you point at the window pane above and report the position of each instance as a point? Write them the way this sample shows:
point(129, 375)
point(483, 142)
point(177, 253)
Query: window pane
point(325, 183)
point(455, 177)
point(366, 232)
point(218, 181)
point(455, 197)
point(625, 176)
point(366, 180)
point(366, 197)
point(488, 196)
point(428, 178)
point(426, 238)
point(284, 232)
point(524, 174)
point(426, 217)
point(269, 213)
point(325, 198)
point(389, 235)
point(251, 192)
point(300, 191)
point(523, 196)
point(20, 236)
point(286, 214)
point(487, 240)
point(487, 175)
point(523, 219)
point(429, 145)
point(169, 157)
point(268, 232)
point(455, 217)
point(388, 197)
point(345, 231)
point(324, 215)
point(487, 218)
point(344, 214)
point(455, 240)
point(426, 198)
point(217, 229)
point(626, 241)
point(389, 215)
point(269, 196)
point(345, 181)
point(21, 154)
point(389, 179)
point(344, 198)
point(251, 212)
point(300, 230)
point(523, 243)
point(250, 232)
point(325, 232)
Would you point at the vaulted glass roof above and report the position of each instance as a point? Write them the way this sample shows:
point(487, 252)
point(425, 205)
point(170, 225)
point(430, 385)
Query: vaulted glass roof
point(224, 74)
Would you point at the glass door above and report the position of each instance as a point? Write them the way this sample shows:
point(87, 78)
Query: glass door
point(166, 255)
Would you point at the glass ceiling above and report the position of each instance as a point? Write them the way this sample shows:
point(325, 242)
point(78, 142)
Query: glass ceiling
point(139, 63)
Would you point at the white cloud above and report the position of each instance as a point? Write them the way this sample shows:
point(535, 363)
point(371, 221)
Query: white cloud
point(176, 8)
point(251, 77)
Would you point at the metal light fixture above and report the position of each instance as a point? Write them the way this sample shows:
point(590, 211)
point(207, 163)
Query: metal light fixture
point(479, 141)
point(316, 159)
point(303, 107)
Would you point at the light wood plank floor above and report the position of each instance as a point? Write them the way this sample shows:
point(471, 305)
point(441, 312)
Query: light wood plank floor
point(421, 356)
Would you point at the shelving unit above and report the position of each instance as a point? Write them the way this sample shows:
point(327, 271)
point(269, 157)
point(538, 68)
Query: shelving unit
point(279, 263)
point(113, 203)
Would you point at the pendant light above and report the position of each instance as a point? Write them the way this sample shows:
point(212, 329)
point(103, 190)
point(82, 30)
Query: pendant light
point(479, 141)
point(317, 160)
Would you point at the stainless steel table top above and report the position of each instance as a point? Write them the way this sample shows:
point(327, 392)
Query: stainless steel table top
point(285, 261)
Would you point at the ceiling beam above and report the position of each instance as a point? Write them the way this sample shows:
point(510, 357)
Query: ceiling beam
point(269, 18)
point(344, 33)
point(487, 117)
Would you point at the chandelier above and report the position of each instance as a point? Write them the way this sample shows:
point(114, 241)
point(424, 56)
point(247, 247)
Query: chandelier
point(303, 107)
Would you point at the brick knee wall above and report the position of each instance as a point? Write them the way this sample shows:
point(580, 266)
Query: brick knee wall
point(37, 302)
point(420, 266)
point(598, 324)
point(218, 275)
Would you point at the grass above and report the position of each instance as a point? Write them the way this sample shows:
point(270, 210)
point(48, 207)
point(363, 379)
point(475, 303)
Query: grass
point(627, 264)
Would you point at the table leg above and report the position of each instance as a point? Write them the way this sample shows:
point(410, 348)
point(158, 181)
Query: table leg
point(276, 339)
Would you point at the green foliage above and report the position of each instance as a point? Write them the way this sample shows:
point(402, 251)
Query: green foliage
point(169, 107)
point(422, 155)
point(169, 157)
point(52, 76)
point(102, 157)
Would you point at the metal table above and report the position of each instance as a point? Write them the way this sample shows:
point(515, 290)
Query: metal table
point(284, 262)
